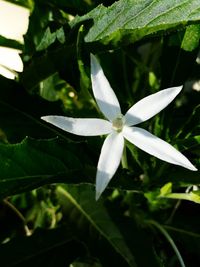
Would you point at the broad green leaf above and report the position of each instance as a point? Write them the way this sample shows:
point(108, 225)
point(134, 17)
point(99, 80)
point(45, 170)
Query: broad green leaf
point(191, 38)
point(127, 21)
point(57, 247)
point(83, 198)
point(33, 163)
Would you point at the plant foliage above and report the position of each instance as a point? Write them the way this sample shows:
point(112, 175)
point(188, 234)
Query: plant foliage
point(149, 214)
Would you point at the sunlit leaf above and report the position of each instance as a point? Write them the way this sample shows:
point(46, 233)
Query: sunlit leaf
point(127, 21)
point(193, 196)
point(166, 189)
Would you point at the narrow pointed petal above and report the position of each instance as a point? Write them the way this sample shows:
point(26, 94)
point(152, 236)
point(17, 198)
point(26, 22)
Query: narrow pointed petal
point(10, 58)
point(14, 20)
point(84, 127)
point(156, 147)
point(104, 94)
point(109, 161)
point(6, 72)
point(151, 105)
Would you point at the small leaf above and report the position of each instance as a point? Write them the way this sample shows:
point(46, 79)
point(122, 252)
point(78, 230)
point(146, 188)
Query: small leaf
point(47, 39)
point(191, 38)
point(166, 189)
point(60, 34)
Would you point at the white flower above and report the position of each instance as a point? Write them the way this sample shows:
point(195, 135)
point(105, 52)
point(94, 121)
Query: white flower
point(13, 25)
point(119, 127)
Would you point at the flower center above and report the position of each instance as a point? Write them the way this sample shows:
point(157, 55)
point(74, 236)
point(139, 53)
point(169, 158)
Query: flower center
point(118, 123)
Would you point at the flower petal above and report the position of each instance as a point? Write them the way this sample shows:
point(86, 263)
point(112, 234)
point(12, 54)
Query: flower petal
point(6, 72)
point(14, 20)
point(156, 147)
point(84, 127)
point(104, 94)
point(10, 58)
point(151, 105)
point(109, 161)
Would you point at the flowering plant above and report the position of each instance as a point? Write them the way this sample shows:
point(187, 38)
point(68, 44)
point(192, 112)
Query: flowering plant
point(59, 61)
point(119, 127)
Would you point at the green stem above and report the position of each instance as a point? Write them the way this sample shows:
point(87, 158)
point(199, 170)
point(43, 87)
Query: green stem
point(124, 159)
point(169, 220)
point(84, 79)
point(169, 239)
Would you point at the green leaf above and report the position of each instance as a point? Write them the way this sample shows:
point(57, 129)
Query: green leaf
point(33, 163)
point(47, 64)
point(49, 88)
point(83, 198)
point(166, 192)
point(127, 21)
point(191, 38)
point(166, 189)
point(19, 116)
point(24, 3)
point(50, 248)
point(193, 196)
point(50, 37)
point(10, 43)
point(47, 39)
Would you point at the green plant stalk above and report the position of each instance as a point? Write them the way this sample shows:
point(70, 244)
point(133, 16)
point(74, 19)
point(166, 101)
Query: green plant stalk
point(84, 79)
point(124, 159)
point(169, 239)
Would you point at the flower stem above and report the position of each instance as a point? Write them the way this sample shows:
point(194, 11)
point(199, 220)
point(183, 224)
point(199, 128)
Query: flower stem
point(124, 159)
point(169, 239)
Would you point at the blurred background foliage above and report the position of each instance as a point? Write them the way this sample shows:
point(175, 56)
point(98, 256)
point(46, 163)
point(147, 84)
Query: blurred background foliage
point(149, 215)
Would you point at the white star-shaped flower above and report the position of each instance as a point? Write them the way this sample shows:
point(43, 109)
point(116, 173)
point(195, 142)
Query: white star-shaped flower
point(119, 127)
